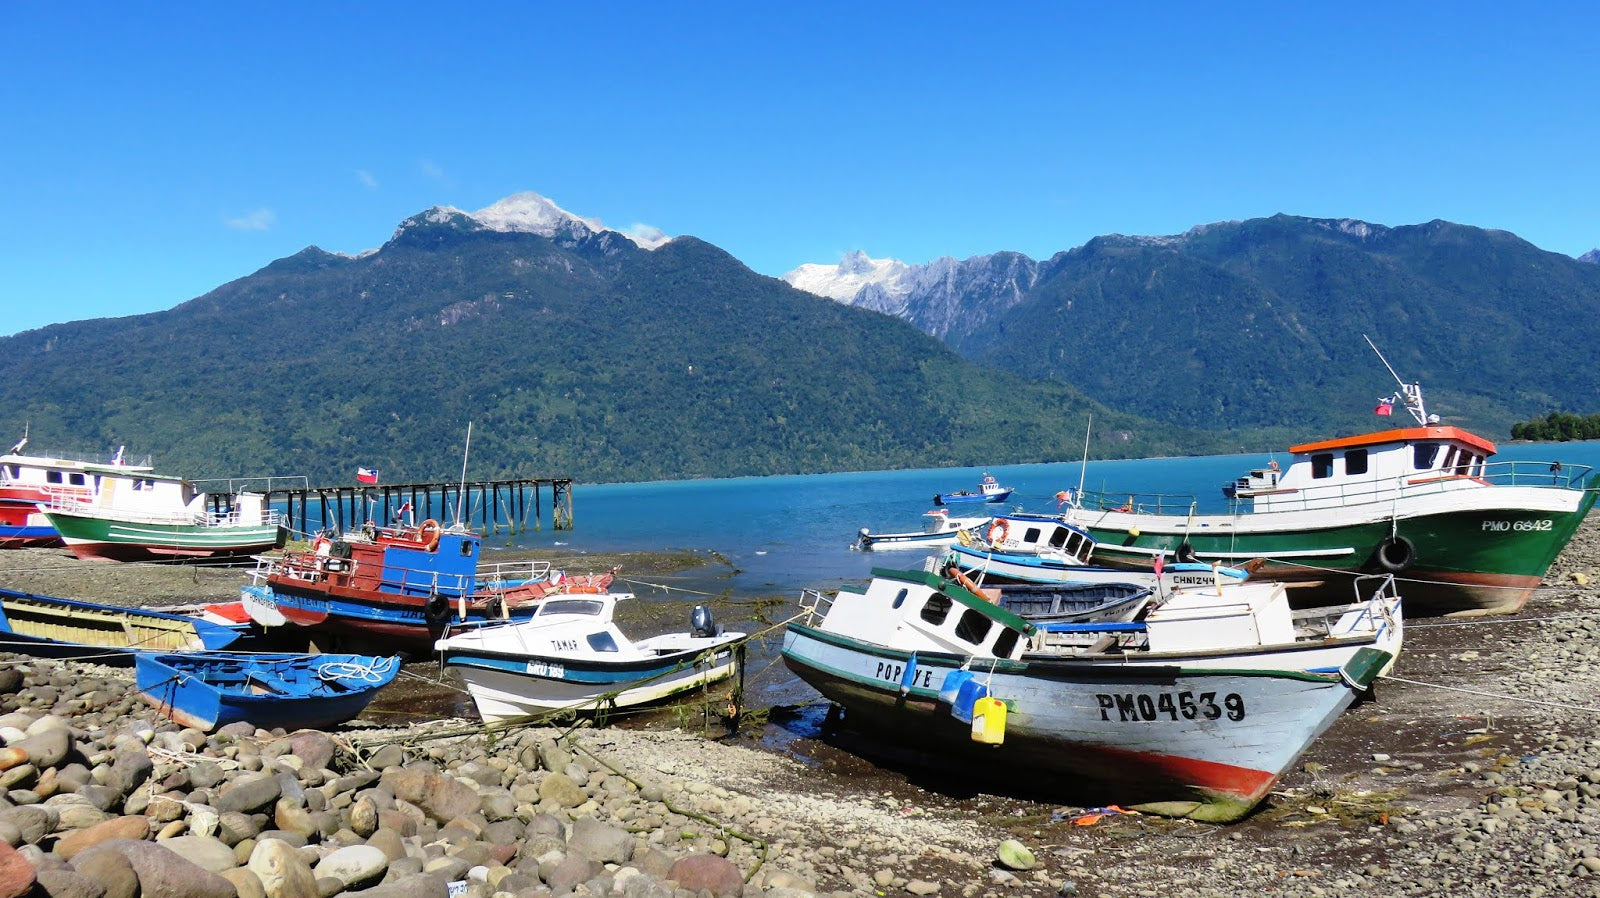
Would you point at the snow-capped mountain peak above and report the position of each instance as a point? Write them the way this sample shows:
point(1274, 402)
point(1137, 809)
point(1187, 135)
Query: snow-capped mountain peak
point(531, 213)
point(855, 270)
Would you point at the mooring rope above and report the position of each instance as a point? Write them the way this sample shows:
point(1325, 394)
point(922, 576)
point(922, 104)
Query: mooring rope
point(1481, 693)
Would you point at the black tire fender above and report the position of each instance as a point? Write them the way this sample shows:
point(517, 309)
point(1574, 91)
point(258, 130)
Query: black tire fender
point(1395, 554)
point(437, 611)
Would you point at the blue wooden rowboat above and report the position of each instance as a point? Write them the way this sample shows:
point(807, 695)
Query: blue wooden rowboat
point(207, 690)
point(53, 627)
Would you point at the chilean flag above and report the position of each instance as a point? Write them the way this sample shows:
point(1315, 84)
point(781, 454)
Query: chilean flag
point(366, 475)
point(1385, 407)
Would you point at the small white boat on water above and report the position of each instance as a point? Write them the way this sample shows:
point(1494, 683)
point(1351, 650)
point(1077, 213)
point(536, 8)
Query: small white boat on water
point(939, 528)
point(571, 654)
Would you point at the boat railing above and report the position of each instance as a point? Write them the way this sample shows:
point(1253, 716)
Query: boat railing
point(506, 574)
point(1373, 594)
point(79, 503)
point(106, 458)
point(814, 604)
point(314, 567)
point(1351, 493)
point(261, 483)
point(1537, 473)
point(1143, 503)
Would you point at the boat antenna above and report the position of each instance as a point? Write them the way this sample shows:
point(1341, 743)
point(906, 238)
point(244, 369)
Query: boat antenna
point(1411, 394)
point(17, 449)
point(1083, 466)
point(463, 494)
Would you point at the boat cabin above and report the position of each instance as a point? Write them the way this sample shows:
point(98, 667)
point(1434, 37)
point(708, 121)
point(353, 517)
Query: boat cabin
point(44, 479)
point(1376, 467)
point(1048, 536)
point(915, 611)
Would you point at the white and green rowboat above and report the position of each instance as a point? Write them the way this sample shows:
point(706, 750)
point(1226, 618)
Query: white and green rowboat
point(1203, 728)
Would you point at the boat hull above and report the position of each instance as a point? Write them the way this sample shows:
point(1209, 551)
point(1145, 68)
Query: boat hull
point(370, 619)
point(92, 537)
point(1014, 567)
point(1462, 559)
point(507, 687)
point(1208, 744)
point(268, 691)
point(54, 627)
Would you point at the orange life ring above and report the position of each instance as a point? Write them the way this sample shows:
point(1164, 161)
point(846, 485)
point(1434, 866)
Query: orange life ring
point(428, 534)
point(998, 527)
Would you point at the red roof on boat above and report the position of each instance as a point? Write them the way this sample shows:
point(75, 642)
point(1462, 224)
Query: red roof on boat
point(1404, 435)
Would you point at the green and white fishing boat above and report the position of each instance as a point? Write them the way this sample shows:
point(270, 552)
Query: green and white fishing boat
point(136, 515)
point(1195, 711)
point(1462, 534)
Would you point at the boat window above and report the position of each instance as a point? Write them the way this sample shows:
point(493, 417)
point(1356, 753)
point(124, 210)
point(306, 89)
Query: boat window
point(1322, 465)
point(466, 547)
point(590, 607)
point(602, 642)
point(1005, 643)
point(1058, 537)
point(973, 626)
point(1423, 455)
point(52, 477)
point(1031, 537)
point(900, 598)
point(1355, 461)
point(936, 609)
point(1464, 463)
point(77, 479)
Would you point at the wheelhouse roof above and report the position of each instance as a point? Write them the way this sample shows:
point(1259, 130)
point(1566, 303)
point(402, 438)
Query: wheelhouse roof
point(1404, 435)
point(960, 594)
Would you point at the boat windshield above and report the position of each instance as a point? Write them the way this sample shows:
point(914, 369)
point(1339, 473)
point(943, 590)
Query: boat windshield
point(591, 607)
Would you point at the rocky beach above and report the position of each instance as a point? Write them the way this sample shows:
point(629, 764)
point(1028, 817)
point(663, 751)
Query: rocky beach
point(1474, 771)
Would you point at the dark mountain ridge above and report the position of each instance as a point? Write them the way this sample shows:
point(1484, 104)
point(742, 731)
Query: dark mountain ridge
point(576, 354)
point(1258, 324)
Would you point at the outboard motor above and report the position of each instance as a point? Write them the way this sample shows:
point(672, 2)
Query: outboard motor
point(701, 622)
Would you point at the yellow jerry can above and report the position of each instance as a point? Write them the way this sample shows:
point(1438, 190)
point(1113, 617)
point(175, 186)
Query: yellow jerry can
point(989, 721)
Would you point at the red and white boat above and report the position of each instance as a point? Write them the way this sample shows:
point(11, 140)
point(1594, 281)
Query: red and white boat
point(28, 481)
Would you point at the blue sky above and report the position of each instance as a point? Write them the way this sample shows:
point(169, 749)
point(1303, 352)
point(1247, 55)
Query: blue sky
point(155, 151)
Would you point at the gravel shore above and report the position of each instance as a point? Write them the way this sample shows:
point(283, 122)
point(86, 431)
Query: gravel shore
point(1475, 772)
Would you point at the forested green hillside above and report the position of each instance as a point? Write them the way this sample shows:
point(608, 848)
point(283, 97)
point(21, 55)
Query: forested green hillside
point(579, 356)
point(1259, 324)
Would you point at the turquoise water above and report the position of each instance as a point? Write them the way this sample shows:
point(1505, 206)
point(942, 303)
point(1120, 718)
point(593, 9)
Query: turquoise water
point(787, 533)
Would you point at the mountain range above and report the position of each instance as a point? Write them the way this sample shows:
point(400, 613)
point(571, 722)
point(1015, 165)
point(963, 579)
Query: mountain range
point(578, 351)
point(573, 351)
point(1259, 324)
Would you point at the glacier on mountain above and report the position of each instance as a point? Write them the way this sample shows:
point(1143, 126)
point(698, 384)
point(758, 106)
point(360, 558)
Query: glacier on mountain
point(945, 297)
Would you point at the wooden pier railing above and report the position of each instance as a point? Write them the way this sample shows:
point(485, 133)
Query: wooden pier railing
point(485, 506)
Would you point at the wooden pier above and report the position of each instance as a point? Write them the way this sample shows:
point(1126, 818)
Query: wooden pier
point(485, 506)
